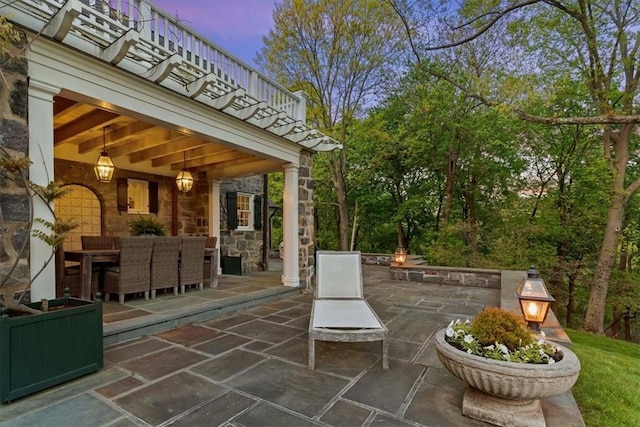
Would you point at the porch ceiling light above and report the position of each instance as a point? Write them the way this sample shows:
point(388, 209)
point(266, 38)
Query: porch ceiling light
point(534, 299)
point(184, 180)
point(104, 166)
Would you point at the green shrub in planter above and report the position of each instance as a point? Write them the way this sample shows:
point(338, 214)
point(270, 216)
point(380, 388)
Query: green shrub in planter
point(147, 226)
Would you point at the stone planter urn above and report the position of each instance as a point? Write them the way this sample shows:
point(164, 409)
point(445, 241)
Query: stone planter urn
point(507, 393)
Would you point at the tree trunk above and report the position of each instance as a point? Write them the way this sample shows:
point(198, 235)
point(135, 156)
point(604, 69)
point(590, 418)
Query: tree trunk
point(336, 165)
point(594, 316)
point(448, 192)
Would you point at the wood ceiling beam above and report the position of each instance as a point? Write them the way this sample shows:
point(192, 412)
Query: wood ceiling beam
point(211, 159)
point(172, 147)
point(130, 130)
point(64, 105)
point(197, 152)
point(96, 119)
point(151, 139)
point(235, 170)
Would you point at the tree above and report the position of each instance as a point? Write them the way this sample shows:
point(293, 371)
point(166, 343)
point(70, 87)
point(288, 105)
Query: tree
point(341, 53)
point(593, 42)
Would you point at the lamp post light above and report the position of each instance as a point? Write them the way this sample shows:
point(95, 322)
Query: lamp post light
point(534, 299)
point(400, 255)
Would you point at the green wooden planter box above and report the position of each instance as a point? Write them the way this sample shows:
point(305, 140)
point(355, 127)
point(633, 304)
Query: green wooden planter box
point(42, 350)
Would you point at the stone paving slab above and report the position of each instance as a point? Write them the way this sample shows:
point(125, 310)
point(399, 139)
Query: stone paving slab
point(244, 370)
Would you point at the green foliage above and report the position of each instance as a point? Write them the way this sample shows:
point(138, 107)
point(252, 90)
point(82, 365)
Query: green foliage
point(607, 389)
point(492, 335)
point(146, 226)
point(493, 325)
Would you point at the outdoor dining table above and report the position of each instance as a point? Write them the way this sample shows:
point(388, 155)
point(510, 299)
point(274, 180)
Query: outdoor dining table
point(88, 257)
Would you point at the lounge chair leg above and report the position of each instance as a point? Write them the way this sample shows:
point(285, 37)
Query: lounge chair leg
point(385, 355)
point(121, 298)
point(175, 290)
point(312, 354)
point(153, 294)
point(146, 295)
point(201, 286)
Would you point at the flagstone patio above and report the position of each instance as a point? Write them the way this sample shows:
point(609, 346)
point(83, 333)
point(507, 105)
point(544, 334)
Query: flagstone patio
point(250, 369)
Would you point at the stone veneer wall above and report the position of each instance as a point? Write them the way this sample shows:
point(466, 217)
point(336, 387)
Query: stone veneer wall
point(306, 219)
point(246, 244)
point(458, 276)
point(114, 222)
point(14, 138)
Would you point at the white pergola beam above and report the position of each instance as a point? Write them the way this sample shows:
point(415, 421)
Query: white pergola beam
point(286, 129)
point(117, 50)
point(268, 122)
point(300, 136)
point(162, 70)
point(61, 23)
point(198, 86)
point(248, 112)
point(224, 101)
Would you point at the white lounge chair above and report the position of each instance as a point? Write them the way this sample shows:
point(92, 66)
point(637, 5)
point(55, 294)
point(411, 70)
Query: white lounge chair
point(339, 311)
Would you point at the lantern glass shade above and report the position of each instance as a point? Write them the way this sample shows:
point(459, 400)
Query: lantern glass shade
point(400, 255)
point(184, 181)
point(534, 299)
point(104, 167)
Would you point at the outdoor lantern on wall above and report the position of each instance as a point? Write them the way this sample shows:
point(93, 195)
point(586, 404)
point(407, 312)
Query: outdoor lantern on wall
point(534, 299)
point(400, 255)
point(104, 166)
point(184, 180)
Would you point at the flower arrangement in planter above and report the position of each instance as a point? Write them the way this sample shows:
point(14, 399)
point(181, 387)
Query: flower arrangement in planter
point(500, 335)
point(506, 369)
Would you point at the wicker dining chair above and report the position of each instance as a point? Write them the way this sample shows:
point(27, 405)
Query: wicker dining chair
point(164, 264)
point(67, 277)
point(133, 273)
point(211, 243)
point(96, 242)
point(191, 261)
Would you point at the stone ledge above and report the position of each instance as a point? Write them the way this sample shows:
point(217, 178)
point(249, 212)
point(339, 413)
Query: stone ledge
point(505, 280)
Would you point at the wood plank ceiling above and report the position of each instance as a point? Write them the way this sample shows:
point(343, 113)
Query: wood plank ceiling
point(80, 129)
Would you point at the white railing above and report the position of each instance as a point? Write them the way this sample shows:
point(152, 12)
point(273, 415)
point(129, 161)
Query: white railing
point(105, 21)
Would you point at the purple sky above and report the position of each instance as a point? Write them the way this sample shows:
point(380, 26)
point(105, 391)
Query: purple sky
point(235, 25)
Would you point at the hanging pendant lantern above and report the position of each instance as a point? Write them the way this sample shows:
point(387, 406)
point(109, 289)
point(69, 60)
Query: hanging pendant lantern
point(184, 180)
point(104, 166)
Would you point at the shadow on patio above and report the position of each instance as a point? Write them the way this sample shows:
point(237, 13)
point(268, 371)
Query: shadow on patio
point(250, 368)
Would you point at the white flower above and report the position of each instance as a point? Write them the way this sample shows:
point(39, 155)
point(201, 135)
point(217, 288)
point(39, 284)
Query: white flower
point(450, 333)
point(551, 360)
point(450, 324)
point(503, 348)
point(543, 334)
point(469, 351)
point(466, 322)
point(468, 339)
point(490, 347)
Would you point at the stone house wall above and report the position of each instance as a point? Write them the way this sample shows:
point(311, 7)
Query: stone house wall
point(244, 243)
point(306, 219)
point(14, 202)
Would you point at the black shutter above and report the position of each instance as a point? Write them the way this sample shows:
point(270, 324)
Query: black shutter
point(257, 212)
point(123, 196)
point(232, 210)
point(153, 197)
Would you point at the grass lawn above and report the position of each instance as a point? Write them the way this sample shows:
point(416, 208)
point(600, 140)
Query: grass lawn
point(608, 388)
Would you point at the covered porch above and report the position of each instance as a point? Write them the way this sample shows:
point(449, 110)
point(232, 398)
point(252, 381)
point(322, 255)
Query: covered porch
point(127, 79)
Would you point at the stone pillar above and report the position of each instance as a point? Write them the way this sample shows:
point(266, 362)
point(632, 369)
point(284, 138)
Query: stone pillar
point(290, 265)
point(40, 109)
point(306, 219)
point(214, 214)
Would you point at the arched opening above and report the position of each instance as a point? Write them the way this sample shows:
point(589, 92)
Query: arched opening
point(80, 204)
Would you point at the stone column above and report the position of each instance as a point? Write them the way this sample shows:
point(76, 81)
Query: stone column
point(290, 265)
point(306, 219)
point(41, 172)
point(214, 214)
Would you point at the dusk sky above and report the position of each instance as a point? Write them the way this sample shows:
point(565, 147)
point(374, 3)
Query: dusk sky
point(235, 25)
